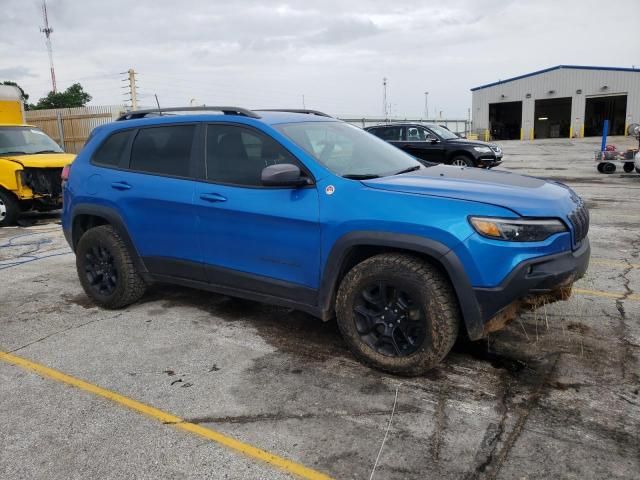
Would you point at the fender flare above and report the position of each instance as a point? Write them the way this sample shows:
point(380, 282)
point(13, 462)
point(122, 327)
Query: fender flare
point(114, 219)
point(439, 252)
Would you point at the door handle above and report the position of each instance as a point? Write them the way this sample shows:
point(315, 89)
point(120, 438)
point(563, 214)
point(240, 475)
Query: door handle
point(120, 185)
point(212, 197)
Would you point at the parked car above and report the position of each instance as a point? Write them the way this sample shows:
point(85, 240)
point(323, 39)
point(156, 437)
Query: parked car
point(433, 143)
point(30, 171)
point(308, 212)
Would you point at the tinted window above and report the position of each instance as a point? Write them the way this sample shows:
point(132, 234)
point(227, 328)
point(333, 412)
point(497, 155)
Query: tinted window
point(111, 151)
point(164, 150)
point(238, 155)
point(388, 133)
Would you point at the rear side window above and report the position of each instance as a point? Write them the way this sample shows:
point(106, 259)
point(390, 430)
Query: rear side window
point(112, 149)
point(163, 150)
point(389, 134)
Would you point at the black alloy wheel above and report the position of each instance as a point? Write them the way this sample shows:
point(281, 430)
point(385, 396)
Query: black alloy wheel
point(100, 270)
point(389, 320)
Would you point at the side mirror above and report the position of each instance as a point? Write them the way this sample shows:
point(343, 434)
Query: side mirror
point(283, 175)
point(432, 138)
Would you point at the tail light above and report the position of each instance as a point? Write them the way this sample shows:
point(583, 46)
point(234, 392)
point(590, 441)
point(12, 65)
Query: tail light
point(66, 170)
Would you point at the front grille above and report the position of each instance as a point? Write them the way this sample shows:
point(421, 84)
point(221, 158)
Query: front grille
point(44, 181)
point(580, 221)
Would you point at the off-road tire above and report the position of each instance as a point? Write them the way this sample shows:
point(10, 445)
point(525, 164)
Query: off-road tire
point(129, 284)
point(9, 209)
point(462, 159)
point(434, 293)
point(628, 167)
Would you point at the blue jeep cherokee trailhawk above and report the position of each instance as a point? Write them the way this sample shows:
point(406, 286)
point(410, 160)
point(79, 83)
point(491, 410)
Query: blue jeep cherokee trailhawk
point(298, 209)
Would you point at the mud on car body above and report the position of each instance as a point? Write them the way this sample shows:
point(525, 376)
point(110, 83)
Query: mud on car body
point(31, 165)
point(302, 210)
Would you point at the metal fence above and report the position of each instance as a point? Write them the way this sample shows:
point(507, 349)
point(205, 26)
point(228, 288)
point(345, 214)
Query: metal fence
point(462, 127)
point(70, 127)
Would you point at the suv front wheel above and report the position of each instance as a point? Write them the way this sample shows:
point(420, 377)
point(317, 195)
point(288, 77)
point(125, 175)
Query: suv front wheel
point(398, 313)
point(105, 268)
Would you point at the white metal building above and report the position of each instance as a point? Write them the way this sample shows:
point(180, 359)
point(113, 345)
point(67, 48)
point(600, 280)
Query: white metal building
point(562, 101)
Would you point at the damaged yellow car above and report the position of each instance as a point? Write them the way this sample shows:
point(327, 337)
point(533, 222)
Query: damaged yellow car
point(31, 166)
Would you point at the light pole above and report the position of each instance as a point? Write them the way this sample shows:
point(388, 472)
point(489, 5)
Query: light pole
point(426, 105)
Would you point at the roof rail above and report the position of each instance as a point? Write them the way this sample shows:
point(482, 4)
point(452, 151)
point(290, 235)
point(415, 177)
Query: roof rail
point(135, 114)
point(294, 110)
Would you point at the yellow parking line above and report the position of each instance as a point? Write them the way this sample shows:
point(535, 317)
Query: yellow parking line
point(613, 263)
point(599, 293)
point(167, 418)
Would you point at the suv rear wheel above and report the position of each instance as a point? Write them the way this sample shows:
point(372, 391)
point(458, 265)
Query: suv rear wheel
point(9, 209)
point(105, 268)
point(398, 313)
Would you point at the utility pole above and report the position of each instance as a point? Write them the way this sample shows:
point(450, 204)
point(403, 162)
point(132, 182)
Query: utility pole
point(133, 88)
point(47, 30)
point(426, 105)
point(385, 105)
point(304, 107)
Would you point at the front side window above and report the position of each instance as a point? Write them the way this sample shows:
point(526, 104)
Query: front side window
point(347, 150)
point(163, 150)
point(416, 134)
point(112, 149)
point(237, 155)
point(25, 141)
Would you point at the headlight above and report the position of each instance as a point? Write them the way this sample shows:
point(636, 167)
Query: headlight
point(482, 149)
point(515, 230)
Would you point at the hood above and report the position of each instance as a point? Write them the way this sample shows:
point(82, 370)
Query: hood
point(526, 196)
point(466, 141)
point(42, 160)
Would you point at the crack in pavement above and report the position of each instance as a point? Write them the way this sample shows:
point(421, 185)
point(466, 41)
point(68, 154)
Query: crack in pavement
point(278, 416)
point(73, 327)
point(496, 451)
point(441, 423)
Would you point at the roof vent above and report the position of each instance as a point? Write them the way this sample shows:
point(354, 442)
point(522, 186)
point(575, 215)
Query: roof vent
point(551, 92)
point(579, 91)
point(528, 95)
point(604, 87)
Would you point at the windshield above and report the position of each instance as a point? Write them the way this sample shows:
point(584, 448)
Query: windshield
point(26, 140)
point(442, 132)
point(347, 150)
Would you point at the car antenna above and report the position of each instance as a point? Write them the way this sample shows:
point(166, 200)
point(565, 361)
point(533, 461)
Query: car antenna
point(157, 103)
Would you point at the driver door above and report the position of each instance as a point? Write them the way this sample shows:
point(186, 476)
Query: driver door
point(423, 144)
point(263, 239)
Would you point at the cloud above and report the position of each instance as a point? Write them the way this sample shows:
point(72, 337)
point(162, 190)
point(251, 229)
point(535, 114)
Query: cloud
point(270, 52)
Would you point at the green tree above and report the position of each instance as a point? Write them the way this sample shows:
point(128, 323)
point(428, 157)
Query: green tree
point(25, 96)
point(74, 96)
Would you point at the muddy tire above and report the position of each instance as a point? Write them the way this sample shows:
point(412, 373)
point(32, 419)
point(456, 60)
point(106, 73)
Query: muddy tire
point(462, 161)
point(106, 270)
point(398, 313)
point(9, 209)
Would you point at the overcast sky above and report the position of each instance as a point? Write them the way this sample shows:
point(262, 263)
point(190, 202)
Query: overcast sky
point(335, 53)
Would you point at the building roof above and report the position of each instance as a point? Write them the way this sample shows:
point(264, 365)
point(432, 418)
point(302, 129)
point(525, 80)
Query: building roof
point(557, 67)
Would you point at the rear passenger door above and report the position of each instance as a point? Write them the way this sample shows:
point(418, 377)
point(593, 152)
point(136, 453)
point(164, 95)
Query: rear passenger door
point(154, 194)
point(257, 238)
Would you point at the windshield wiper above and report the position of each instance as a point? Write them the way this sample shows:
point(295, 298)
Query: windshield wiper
point(45, 151)
point(407, 170)
point(361, 176)
point(15, 152)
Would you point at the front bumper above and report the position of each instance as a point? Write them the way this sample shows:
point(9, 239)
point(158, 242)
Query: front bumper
point(489, 162)
point(532, 283)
